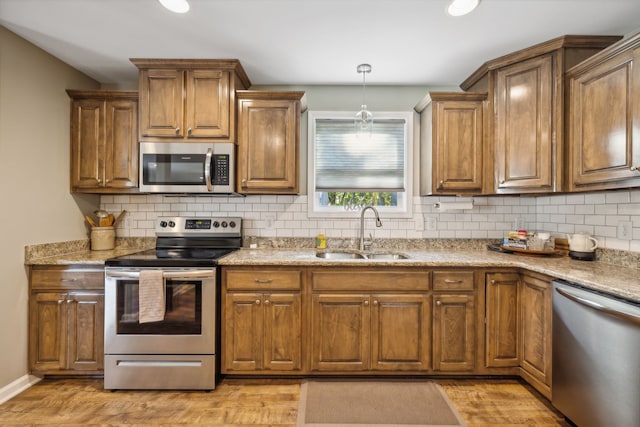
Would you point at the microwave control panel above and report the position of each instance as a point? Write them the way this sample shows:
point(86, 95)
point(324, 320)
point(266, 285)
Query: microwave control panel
point(220, 169)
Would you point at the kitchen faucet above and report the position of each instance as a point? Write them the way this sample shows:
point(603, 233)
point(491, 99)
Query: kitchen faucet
point(378, 223)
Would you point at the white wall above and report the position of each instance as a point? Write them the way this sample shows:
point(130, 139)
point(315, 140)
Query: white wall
point(34, 179)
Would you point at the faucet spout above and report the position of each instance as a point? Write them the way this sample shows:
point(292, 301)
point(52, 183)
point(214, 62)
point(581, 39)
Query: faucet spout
point(378, 224)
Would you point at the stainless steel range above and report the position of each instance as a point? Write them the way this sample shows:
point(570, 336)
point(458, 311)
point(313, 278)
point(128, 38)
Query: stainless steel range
point(161, 310)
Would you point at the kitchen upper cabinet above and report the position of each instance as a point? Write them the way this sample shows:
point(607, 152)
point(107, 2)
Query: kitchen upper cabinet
point(604, 119)
point(524, 123)
point(452, 143)
point(535, 343)
point(66, 321)
point(104, 146)
point(502, 344)
point(527, 111)
point(189, 100)
point(262, 321)
point(269, 141)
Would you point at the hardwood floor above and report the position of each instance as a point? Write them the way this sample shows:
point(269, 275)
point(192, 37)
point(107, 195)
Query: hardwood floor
point(83, 402)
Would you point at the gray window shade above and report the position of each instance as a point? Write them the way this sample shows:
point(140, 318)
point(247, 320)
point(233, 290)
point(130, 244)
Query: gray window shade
point(346, 161)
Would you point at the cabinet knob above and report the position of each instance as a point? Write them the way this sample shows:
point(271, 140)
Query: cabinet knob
point(267, 302)
point(189, 131)
point(440, 185)
point(493, 281)
point(375, 302)
point(634, 168)
point(366, 302)
point(177, 131)
point(257, 302)
point(60, 301)
point(438, 302)
point(69, 301)
point(244, 180)
point(501, 181)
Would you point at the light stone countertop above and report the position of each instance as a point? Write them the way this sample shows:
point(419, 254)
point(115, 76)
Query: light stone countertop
point(612, 279)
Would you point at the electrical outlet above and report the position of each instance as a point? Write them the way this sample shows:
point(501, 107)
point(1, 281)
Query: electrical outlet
point(269, 218)
point(624, 230)
point(431, 223)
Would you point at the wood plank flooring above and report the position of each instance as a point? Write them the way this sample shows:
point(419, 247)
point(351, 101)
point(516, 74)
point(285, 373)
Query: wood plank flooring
point(254, 403)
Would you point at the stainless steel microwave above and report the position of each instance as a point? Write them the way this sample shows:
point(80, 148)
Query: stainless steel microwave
point(187, 167)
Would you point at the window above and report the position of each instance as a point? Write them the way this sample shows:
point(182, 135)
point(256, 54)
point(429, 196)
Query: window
point(349, 169)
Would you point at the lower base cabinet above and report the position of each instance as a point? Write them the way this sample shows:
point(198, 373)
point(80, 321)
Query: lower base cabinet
point(66, 320)
point(362, 332)
point(454, 342)
point(262, 321)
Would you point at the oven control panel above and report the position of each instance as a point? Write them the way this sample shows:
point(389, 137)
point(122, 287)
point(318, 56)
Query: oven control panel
point(181, 226)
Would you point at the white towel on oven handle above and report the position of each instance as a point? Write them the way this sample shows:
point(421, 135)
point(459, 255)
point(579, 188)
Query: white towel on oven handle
point(151, 296)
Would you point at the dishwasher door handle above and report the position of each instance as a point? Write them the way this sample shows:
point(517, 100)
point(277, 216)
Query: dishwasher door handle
point(597, 306)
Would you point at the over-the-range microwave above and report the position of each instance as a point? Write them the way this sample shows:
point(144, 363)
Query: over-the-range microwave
point(187, 167)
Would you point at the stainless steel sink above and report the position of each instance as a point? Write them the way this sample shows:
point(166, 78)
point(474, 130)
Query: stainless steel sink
point(353, 255)
point(387, 256)
point(339, 255)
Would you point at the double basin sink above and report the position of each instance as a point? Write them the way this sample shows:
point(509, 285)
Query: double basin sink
point(332, 255)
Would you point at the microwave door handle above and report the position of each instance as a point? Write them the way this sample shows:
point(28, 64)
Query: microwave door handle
point(207, 169)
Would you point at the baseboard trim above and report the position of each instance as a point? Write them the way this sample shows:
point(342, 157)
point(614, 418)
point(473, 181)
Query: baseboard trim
point(17, 387)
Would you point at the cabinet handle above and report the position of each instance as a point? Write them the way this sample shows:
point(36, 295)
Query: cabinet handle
point(451, 282)
point(263, 280)
point(69, 280)
point(634, 168)
point(366, 302)
point(177, 131)
point(257, 302)
point(438, 302)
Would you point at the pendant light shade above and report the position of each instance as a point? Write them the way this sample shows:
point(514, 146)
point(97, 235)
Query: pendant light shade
point(364, 118)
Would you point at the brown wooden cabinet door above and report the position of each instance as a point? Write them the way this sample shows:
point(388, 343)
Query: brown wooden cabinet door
point(524, 127)
point(87, 143)
point(268, 140)
point(85, 326)
point(161, 103)
point(454, 332)
point(121, 144)
point(243, 332)
point(604, 127)
point(400, 337)
point(208, 104)
point(340, 332)
point(458, 147)
point(502, 323)
point(47, 331)
point(282, 332)
point(535, 308)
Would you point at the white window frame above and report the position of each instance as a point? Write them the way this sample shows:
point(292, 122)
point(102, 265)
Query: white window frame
point(405, 199)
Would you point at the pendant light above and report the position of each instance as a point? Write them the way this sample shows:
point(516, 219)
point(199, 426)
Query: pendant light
point(364, 118)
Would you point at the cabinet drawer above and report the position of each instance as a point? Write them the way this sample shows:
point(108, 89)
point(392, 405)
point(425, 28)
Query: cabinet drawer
point(262, 279)
point(345, 280)
point(66, 278)
point(453, 280)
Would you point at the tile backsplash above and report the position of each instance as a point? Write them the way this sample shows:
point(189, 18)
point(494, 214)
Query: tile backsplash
point(598, 214)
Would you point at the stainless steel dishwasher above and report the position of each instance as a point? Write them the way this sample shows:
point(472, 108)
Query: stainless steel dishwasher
point(596, 357)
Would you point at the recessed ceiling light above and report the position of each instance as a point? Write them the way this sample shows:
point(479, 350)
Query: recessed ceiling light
point(461, 7)
point(177, 6)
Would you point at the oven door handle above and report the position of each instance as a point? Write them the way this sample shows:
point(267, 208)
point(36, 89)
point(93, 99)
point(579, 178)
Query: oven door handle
point(182, 274)
point(207, 170)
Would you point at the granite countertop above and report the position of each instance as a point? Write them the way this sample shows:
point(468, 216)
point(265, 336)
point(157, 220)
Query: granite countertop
point(613, 279)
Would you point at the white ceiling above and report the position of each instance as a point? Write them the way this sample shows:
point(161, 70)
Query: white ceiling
point(307, 42)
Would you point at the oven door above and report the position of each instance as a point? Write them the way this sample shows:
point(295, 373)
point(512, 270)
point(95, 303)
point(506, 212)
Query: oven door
point(189, 321)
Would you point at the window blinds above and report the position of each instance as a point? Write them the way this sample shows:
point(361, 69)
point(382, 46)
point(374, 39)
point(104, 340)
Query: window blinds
point(348, 161)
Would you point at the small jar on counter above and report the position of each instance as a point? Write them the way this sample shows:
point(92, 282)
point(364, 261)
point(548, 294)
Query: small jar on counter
point(103, 238)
